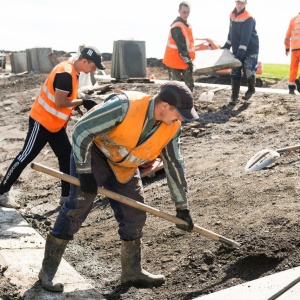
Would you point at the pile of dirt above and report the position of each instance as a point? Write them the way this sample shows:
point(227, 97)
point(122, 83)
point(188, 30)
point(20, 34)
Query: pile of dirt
point(260, 210)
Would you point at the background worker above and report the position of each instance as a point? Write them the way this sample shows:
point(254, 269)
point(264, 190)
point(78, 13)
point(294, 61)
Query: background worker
point(292, 43)
point(48, 119)
point(109, 144)
point(243, 39)
point(180, 51)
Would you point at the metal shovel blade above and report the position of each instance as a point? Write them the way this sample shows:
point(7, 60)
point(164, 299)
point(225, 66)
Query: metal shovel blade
point(208, 96)
point(261, 159)
point(266, 157)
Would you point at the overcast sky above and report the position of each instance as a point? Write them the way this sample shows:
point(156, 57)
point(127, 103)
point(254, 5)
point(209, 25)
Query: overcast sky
point(65, 24)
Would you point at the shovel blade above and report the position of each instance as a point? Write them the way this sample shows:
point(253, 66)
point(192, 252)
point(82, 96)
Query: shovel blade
point(206, 96)
point(261, 159)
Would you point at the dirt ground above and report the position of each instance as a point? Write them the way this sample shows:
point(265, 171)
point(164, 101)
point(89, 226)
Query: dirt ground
point(260, 209)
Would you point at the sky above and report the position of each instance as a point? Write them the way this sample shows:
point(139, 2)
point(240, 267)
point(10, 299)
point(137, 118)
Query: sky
point(66, 24)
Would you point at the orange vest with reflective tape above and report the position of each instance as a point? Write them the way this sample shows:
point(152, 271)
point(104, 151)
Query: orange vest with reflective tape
point(172, 58)
point(120, 144)
point(44, 109)
point(292, 37)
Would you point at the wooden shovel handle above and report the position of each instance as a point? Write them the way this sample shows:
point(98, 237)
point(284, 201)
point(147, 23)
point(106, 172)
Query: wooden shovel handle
point(286, 149)
point(135, 204)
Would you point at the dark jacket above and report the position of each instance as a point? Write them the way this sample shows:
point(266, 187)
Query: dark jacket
point(242, 36)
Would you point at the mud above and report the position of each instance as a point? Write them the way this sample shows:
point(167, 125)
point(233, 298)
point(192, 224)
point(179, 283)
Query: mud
point(260, 210)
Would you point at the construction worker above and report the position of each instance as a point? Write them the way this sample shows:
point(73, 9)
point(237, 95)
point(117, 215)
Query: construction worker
point(292, 43)
point(48, 119)
point(180, 51)
point(110, 142)
point(243, 39)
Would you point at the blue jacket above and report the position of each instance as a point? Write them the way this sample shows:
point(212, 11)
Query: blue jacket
point(242, 36)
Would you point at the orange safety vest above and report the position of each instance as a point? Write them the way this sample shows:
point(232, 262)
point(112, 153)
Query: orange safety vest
point(120, 144)
point(44, 109)
point(172, 58)
point(292, 37)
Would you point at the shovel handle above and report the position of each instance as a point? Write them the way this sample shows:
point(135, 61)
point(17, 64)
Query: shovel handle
point(286, 149)
point(135, 204)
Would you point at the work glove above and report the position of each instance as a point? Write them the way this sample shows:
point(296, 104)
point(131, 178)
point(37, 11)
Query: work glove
point(88, 183)
point(184, 214)
point(240, 55)
point(88, 104)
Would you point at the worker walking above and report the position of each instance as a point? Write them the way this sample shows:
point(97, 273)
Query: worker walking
point(180, 51)
point(243, 39)
point(48, 119)
point(292, 44)
point(110, 142)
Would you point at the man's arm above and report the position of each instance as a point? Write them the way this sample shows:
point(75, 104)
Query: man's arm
point(62, 86)
point(245, 38)
point(175, 172)
point(93, 123)
point(180, 41)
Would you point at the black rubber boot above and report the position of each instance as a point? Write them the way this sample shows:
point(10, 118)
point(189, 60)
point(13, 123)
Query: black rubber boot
point(251, 89)
point(235, 90)
point(292, 89)
point(132, 272)
point(54, 251)
point(297, 81)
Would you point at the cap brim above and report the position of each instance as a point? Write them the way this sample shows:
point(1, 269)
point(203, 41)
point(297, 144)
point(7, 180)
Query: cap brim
point(100, 66)
point(189, 114)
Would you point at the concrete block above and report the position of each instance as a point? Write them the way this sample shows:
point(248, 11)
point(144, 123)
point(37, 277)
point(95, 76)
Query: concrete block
point(16, 233)
point(262, 288)
point(24, 266)
point(18, 62)
point(129, 59)
point(208, 61)
point(38, 61)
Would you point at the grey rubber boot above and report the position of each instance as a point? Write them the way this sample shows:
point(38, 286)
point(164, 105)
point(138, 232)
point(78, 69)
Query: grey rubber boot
point(235, 90)
point(292, 89)
point(54, 251)
point(251, 89)
point(132, 271)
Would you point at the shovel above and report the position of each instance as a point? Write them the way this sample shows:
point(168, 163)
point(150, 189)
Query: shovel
point(135, 204)
point(266, 157)
point(208, 96)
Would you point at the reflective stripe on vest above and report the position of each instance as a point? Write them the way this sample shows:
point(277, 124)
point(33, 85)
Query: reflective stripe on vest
point(172, 58)
point(120, 144)
point(240, 18)
point(44, 109)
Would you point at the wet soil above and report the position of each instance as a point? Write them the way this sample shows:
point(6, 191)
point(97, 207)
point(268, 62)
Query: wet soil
point(260, 209)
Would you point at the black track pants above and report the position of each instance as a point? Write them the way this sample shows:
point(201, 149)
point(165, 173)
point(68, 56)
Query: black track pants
point(37, 138)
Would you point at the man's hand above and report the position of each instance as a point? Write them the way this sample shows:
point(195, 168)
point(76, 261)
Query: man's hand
point(88, 104)
point(287, 51)
point(88, 183)
point(185, 215)
point(191, 67)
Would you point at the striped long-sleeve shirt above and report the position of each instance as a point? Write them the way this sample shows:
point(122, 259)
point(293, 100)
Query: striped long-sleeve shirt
point(108, 115)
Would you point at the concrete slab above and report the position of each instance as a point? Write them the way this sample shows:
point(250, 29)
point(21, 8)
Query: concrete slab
point(262, 289)
point(208, 61)
point(22, 250)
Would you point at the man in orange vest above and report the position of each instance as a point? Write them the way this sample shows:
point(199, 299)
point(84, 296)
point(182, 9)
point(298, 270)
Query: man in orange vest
point(48, 119)
point(292, 43)
point(180, 51)
point(110, 142)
